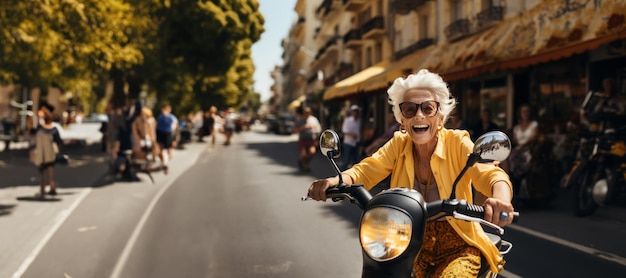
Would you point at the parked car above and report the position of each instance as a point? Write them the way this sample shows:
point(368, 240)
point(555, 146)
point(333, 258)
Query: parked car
point(271, 122)
point(286, 123)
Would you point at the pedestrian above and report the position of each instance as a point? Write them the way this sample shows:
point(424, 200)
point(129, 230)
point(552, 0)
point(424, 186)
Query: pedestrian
point(308, 128)
point(393, 126)
point(9, 122)
point(166, 125)
point(144, 135)
point(351, 129)
point(208, 125)
point(46, 146)
point(427, 157)
point(124, 143)
point(229, 125)
point(486, 124)
point(456, 122)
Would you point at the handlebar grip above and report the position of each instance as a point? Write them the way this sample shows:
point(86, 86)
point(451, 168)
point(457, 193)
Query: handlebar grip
point(515, 216)
point(479, 212)
point(474, 211)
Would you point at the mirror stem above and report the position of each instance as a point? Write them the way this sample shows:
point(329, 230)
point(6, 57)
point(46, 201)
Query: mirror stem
point(471, 160)
point(330, 156)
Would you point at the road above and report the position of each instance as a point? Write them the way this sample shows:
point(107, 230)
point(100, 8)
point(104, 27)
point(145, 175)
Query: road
point(235, 211)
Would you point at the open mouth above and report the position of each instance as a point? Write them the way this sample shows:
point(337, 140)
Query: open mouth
point(420, 128)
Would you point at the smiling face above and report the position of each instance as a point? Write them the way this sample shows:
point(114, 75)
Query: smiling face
point(420, 127)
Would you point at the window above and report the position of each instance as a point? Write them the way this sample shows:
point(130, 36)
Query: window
point(456, 10)
point(378, 51)
point(368, 56)
point(423, 27)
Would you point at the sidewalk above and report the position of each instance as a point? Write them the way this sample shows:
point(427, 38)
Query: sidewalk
point(33, 219)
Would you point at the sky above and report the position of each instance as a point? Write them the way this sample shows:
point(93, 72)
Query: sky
point(266, 53)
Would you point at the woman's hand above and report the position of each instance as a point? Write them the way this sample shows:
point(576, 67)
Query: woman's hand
point(494, 208)
point(318, 188)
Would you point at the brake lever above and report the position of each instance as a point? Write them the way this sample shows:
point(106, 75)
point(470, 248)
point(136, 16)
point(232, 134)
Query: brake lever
point(460, 216)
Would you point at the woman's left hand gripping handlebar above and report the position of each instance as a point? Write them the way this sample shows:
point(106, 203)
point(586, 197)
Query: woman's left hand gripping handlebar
point(317, 190)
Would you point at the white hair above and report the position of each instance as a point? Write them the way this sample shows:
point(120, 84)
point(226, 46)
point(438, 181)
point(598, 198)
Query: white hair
point(425, 80)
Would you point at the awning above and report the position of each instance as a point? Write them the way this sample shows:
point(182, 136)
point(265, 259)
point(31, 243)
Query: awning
point(550, 31)
point(399, 68)
point(296, 102)
point(354, 83)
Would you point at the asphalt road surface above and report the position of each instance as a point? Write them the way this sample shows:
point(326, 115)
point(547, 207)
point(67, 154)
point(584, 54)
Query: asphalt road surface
point(235, 211)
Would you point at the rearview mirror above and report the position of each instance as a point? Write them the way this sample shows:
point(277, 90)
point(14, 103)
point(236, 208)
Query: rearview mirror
point(492, 146)
point(330, 144)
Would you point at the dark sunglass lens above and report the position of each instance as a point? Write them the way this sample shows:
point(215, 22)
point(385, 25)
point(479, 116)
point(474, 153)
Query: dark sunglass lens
point(429, 108)
point(408, 109)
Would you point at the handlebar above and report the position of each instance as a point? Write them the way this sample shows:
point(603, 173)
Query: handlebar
point(459, 209)
point(356, 194)
point(448, 207)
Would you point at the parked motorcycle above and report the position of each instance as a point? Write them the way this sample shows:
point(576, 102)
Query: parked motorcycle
point(598, 176)
point(393, 222)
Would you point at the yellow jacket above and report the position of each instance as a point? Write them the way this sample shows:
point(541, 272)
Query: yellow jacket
point(449, 158)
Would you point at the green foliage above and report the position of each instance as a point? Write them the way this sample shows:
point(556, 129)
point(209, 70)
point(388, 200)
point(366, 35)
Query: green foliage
point(190, 53)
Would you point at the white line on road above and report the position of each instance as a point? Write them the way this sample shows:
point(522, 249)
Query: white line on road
point(63, 215)
point(582, 248)
point(121, 261)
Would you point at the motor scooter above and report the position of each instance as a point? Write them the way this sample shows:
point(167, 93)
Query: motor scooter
point(391, 230)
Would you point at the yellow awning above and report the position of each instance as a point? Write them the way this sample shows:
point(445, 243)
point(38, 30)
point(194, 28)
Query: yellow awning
point(399, 68)
point(296, 102)
point(354, 83)
point(552, 30)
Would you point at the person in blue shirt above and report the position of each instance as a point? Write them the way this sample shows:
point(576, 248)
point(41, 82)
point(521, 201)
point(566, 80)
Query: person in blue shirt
point(167, 123)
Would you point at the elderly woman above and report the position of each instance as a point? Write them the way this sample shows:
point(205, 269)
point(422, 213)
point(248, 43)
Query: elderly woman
point(428, 157)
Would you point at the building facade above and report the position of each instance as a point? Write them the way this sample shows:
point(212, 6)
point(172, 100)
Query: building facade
point(494, 54)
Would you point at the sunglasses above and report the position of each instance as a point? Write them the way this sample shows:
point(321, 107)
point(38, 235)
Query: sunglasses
point(409, 109)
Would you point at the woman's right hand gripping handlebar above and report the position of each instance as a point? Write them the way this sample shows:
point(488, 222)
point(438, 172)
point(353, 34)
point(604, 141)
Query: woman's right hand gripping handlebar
point(317, 190)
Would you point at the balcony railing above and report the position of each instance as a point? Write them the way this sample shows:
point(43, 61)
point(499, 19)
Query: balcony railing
point(489, 16)
point(327, 6)
point(457, 29)
point(352, 35)
point(374, 24)
point(405, 6)
point(332, 41)
point(354, 5)
point(413, 47)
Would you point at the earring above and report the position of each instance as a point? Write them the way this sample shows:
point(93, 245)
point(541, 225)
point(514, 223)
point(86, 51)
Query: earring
point(402, 129)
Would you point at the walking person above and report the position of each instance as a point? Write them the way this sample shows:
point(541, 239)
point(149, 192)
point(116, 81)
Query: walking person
point(229, 125)
point(351, 129)
point(486, 124)
point(393, 126)
point(308, 128)
point(208, 125)
point(166, 124)
point(45, 150)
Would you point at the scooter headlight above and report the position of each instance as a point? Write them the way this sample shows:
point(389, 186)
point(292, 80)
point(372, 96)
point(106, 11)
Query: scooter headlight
point(385, 233)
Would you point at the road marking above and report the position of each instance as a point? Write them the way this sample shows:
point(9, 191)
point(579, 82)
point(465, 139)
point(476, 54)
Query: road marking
point(123, 258)
point(506, 274)
point(579, 247)
point(62, 216)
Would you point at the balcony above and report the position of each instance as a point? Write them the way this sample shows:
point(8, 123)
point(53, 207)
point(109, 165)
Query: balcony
point(489, 17)
point(406, 6)
point(329, 8)
point(457, 29)
point(352, 39)
point(423, 43)
point(354, 5)
point(329, 49)
point(374, 28)
point(299, 27)
point(344, 70)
